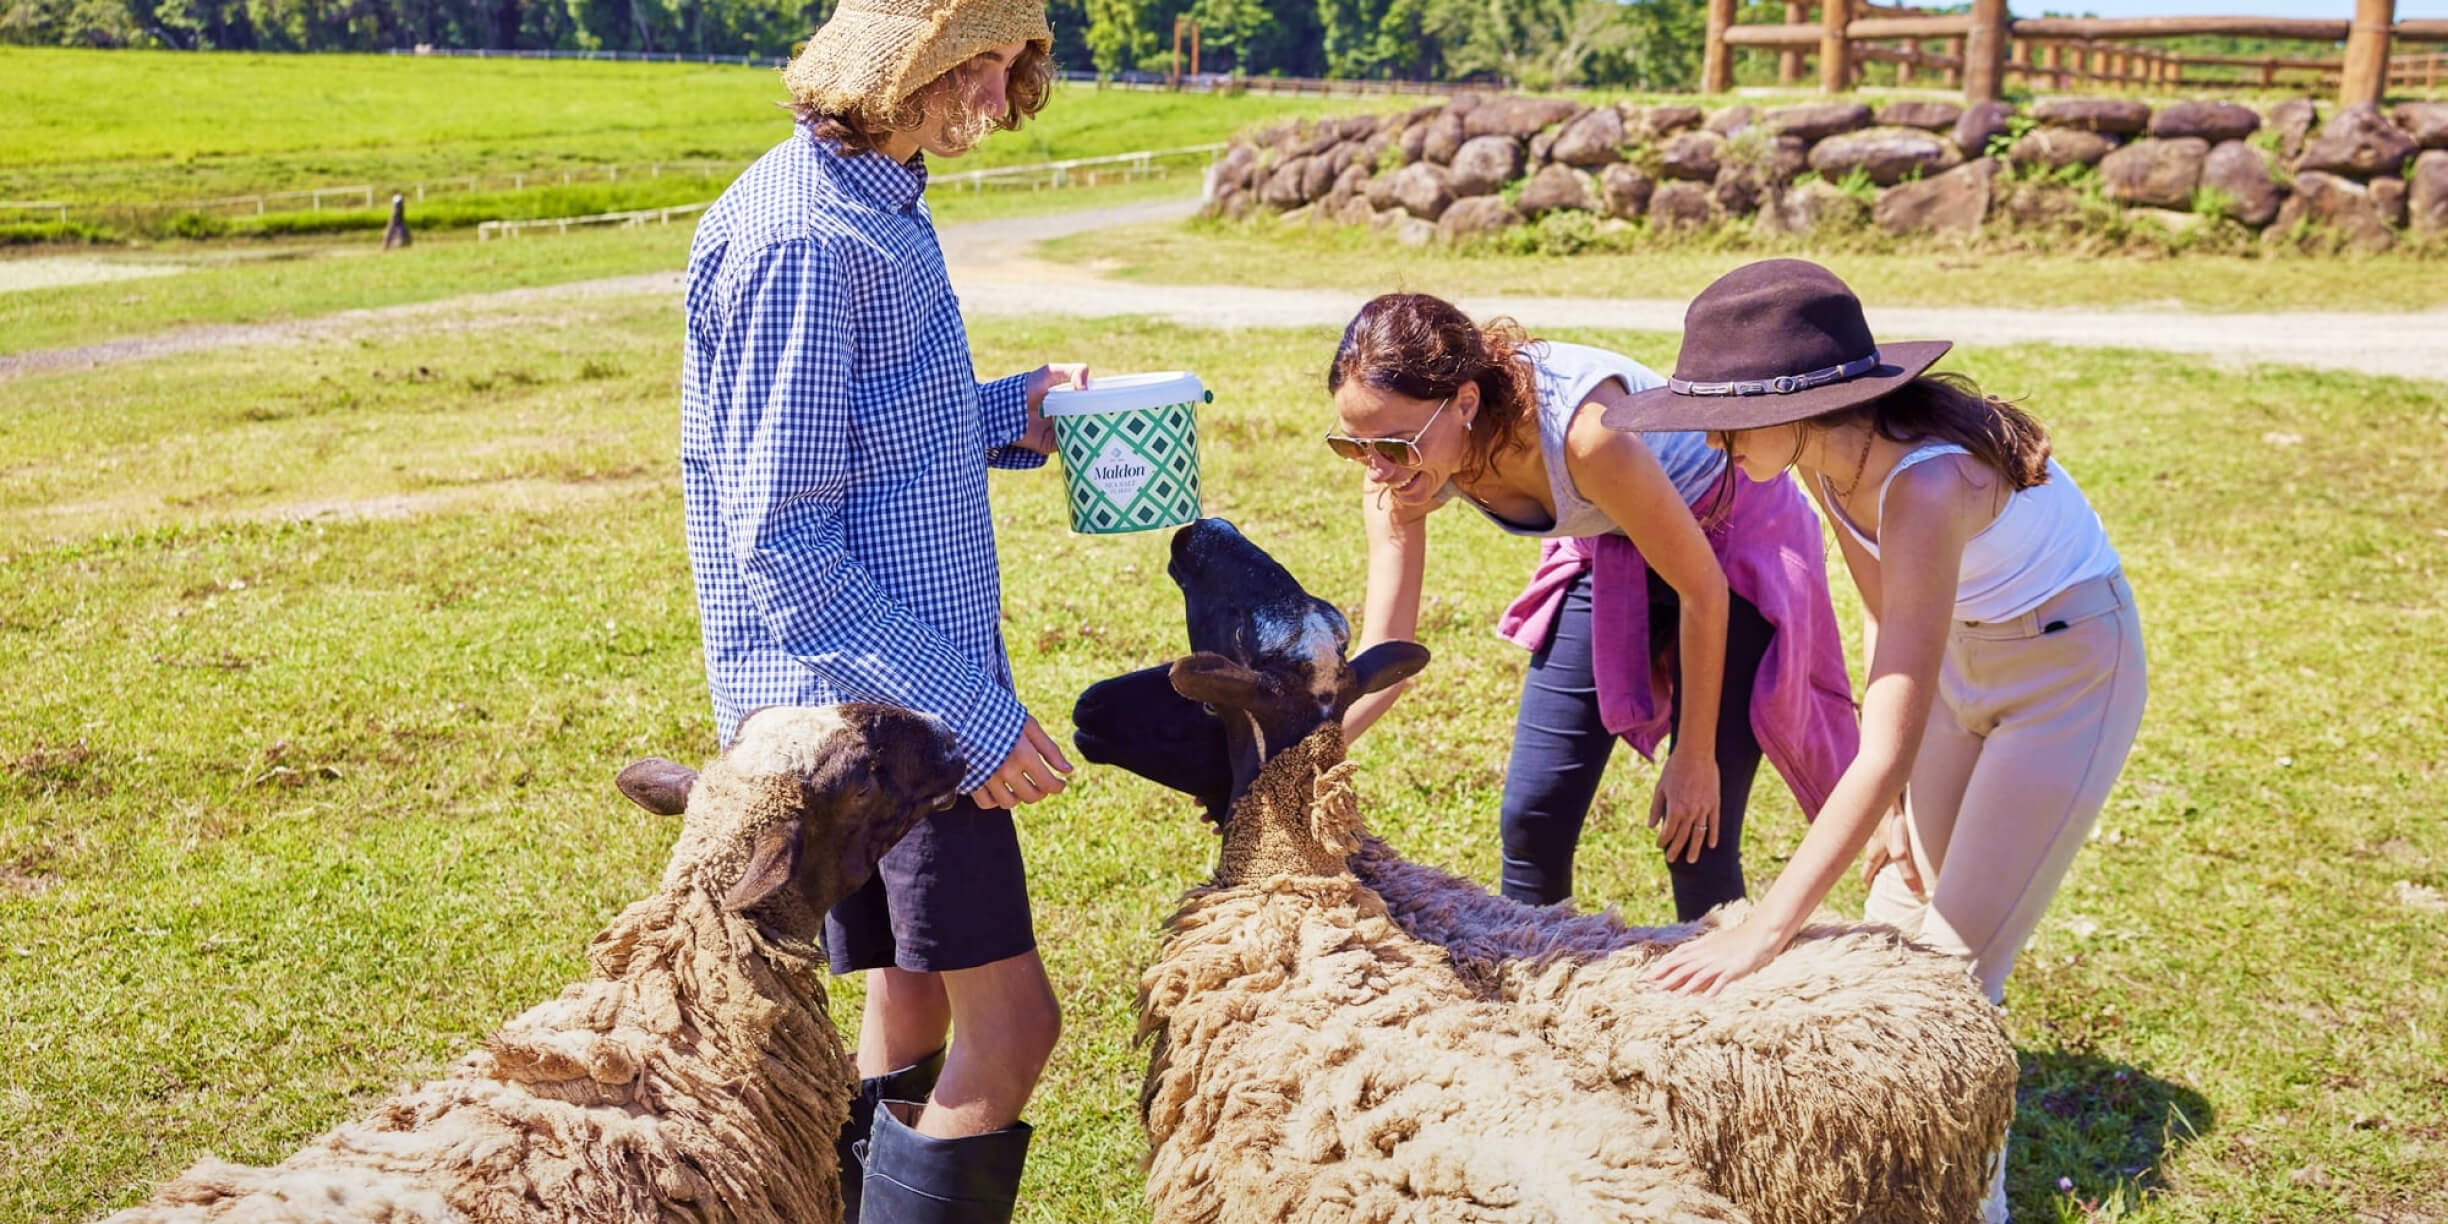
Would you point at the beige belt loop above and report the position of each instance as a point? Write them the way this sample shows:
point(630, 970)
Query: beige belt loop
point(2077, 603)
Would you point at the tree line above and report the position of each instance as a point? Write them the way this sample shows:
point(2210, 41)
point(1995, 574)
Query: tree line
point(1648, 44)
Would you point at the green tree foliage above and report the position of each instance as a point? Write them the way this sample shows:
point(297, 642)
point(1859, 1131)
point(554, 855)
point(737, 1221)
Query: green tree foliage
point(1648, 44)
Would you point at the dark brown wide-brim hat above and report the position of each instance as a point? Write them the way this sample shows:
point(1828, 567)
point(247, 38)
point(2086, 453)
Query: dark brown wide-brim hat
point(1771, 342)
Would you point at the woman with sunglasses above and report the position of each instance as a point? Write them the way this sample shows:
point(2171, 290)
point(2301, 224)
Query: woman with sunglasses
point(1672, 597)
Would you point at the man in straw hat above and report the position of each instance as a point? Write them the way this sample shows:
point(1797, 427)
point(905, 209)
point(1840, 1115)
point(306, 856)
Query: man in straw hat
point(834, 448)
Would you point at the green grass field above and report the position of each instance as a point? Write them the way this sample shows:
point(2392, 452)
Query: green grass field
point(1295, 256)
point(327, 654)
point(141, 125)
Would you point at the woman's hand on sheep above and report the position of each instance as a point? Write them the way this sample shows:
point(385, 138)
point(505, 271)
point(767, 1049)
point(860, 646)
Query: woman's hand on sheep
point(1038, 434)
point(1685, 804)
point(1712, 962)
point(1033, 771)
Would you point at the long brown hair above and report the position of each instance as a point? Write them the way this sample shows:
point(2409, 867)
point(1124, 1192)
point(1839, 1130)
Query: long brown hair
point(1949, 407)
point(1029, 85)
point(1425, 348)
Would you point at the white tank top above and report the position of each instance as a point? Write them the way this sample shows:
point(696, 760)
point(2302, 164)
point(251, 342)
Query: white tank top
point(1565, 375)
point(2047, 538)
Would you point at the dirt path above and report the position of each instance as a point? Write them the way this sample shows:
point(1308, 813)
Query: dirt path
point(996, 273)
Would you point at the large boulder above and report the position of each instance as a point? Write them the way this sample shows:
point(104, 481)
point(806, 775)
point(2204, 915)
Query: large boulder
point(1424, 190)
point(1444, 138)
point(1955, 202)
point(1237, 170)
point(2426, 122)
point(2059, 147)
point(1415, 141)
point(2211, 121)
point(2293, 120)
point(1283, 188)
point(1542, 146)
point(1806, 208)
point(1814, 121)
point(2240, 175)
point(1380, 191)
point(1928, 114)
point(1981, 123)
point(1691, 156)
point(1354, 210)
point(2340, 204)
point(1413, 232)
point(1658, 122)
point(1887, 155)
point(2427, 192)
point(2156, 173)
point(1347, 186)
point(1731, 120)
point(1594, 139)
point(1625, 190)
point(2108, 116)
point(1485, 164)
point(1474, 216)
point(2358, 142)
point(1680, 204)
point(1317, 178)
point(2388, 196)
point(1751, 166)
point(1556, 188)
point(1516, 117)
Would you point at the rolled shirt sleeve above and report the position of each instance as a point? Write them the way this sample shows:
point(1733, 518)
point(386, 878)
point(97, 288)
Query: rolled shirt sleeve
point(1005, 401)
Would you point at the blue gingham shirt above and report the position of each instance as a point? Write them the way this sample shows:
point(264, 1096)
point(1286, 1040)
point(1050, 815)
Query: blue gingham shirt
point(834, 442)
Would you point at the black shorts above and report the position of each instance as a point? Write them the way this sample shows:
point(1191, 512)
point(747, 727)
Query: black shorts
point(952, 895)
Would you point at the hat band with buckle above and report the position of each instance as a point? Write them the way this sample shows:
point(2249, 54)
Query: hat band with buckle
point(1782, 384)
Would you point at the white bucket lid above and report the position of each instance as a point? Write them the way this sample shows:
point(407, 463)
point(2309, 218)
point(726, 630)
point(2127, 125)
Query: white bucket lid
point(1111, 393)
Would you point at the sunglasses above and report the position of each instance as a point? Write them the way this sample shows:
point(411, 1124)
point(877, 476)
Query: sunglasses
point(1401, 452)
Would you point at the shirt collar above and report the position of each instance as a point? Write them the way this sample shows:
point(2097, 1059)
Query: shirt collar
point(879, 179)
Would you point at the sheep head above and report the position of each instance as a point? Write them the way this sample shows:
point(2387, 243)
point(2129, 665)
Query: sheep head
point(796, 813)
point(1267, 669)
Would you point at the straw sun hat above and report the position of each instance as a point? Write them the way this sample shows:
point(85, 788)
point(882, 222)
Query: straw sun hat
point(873, 54)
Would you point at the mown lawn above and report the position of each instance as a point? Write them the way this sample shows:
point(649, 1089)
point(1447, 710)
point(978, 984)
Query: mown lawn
point(324, 657)
point(1924, 273)
point(241, 281)
point(156, 125)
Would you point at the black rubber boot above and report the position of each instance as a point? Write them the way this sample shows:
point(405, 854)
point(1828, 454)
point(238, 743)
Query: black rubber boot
point(917, 1179)
point(910, 1083)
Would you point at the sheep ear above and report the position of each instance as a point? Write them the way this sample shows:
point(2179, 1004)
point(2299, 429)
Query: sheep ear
point(659, 786)
point(1216, 680)
point(1387, 664)
point(770, 868)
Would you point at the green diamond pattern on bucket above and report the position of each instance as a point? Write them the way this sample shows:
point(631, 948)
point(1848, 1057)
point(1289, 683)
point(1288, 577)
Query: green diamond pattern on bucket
point(1130, 471)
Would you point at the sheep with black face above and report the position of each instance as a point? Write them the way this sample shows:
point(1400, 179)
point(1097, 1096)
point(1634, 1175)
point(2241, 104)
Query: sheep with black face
point(1311, 1061)
point(1855, 1077)
point(695, 1075)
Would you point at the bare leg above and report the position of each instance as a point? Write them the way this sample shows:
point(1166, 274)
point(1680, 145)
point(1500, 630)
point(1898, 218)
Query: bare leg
point(1005, 1020)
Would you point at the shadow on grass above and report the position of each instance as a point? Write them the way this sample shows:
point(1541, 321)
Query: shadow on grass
point(2091, 1134)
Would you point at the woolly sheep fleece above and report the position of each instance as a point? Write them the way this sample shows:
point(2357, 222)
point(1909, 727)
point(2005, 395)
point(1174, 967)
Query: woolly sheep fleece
point(1306, 1065)
point(695, 1076)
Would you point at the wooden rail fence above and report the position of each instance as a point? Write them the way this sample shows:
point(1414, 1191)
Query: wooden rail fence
point(1984, 48)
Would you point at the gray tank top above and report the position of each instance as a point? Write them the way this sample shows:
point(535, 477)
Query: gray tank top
point(1564, 375)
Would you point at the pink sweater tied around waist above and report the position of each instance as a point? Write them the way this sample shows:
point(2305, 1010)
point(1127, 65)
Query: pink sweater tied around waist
point(1770, 546)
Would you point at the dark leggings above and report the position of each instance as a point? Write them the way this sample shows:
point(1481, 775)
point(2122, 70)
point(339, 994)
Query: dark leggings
point(1560, 750)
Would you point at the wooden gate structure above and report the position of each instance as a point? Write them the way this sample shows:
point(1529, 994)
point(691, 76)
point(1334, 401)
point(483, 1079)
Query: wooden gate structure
point(1985, 46)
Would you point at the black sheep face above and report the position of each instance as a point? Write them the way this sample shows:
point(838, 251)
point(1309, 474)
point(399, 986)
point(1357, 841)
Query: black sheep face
point(1267, 669)
point(860, 777)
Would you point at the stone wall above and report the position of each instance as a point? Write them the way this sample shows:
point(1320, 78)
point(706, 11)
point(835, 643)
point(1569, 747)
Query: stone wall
point(1482, 164)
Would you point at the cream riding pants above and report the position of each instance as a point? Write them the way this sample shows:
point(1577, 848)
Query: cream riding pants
point(2033, 721)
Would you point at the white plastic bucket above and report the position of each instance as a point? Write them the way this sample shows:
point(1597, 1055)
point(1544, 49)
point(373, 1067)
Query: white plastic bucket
point(1129, 444)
